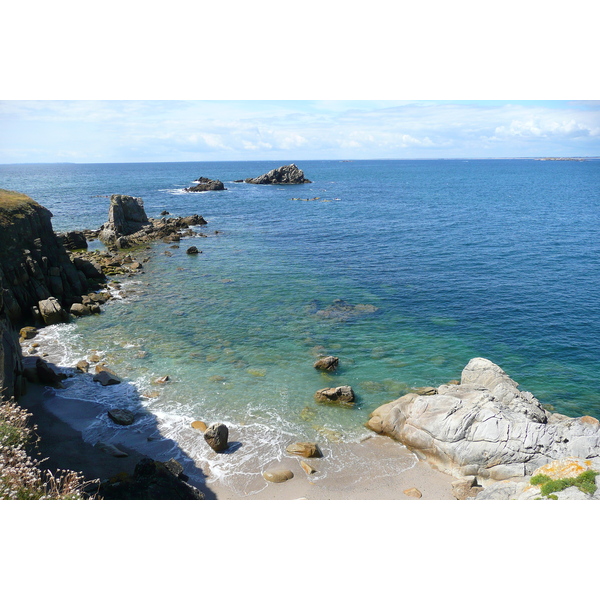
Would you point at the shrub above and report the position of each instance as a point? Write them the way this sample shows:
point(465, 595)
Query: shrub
point(585, 481)
point(21, 477)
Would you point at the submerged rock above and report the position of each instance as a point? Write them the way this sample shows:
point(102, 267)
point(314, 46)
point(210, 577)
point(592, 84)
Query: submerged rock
point(485, 427)
point(288, 174)
point(340, 310)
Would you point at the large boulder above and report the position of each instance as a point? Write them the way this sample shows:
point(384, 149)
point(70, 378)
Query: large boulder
point(51, 311)
point(288, 174)
point(73, 240)
point(485, 427)
point(216, 437)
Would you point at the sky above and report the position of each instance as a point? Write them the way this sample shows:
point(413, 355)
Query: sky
point(88, 131)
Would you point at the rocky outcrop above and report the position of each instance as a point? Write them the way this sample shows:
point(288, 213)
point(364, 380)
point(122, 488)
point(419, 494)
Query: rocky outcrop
point(288, 174)
point(126, 215)
point(39, 279)
point(205, 185)
point(128, 225)
point(485, 427)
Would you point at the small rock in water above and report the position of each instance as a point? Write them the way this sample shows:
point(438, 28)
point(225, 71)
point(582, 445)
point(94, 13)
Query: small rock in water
point(278, 476)
point(121, 416)
point(200, 425)
point(216, 436)
point(162, 379)
point(343, 395)
point(413, 493)
point(327, 363)
point(192, 250)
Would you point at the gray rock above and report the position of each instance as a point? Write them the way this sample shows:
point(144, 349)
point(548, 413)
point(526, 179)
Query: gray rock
point(485, 427)
point(51, 311)
point(288, 174)
point(216, 437)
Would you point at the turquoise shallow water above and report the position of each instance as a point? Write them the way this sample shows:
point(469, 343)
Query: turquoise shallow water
point(446, 260)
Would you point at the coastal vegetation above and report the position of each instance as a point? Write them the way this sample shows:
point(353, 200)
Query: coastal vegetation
point(586, 482)
point(22, 476)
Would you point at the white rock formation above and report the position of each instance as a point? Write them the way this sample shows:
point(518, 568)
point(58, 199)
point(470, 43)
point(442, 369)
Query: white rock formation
point(485, 427)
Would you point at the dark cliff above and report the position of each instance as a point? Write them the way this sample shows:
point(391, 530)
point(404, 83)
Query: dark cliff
point(34, 267)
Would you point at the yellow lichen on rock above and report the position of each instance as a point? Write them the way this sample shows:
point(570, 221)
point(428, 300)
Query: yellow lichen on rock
point(564, 468)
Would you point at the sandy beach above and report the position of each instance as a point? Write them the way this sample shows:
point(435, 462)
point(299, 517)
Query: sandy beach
point(369, 469)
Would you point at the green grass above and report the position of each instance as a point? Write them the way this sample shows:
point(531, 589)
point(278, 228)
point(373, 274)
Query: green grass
point(14, 205)
point(586, 482)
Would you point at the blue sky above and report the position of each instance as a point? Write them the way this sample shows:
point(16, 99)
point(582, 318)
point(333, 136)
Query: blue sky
point(190, 130)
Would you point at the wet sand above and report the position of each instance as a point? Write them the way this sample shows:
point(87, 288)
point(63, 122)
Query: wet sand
point(375, 469)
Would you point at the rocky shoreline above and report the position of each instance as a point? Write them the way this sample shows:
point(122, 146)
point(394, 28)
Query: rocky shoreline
point(482, 432)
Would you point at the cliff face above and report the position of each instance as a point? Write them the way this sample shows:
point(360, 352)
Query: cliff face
point(34, 267)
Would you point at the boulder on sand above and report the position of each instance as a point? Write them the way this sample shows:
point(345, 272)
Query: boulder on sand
point(216, 437)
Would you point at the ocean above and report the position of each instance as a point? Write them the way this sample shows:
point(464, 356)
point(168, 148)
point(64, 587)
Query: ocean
point(435, 262)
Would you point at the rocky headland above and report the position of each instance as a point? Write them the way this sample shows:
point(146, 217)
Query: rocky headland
point(287, 174)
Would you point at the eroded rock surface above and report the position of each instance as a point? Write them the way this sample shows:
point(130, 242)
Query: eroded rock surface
point(485, 427)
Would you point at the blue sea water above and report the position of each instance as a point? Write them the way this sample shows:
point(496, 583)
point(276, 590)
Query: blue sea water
point(448, 259)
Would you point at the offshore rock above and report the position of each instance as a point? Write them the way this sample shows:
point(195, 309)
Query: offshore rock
point(205, 185)
point(288, 174)
point(485, 427)
point(342, 395)
point(216, 437)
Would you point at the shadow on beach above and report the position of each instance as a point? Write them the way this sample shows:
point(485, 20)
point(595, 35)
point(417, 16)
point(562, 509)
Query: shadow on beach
point(76, 433)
